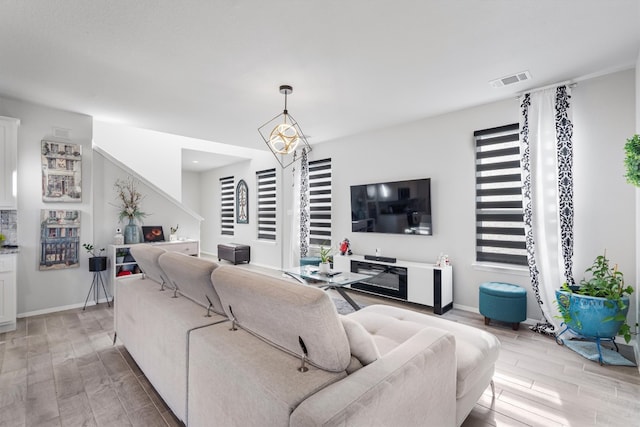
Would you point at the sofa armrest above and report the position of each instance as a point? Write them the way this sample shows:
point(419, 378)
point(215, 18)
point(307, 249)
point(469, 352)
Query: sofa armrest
point(413, 384)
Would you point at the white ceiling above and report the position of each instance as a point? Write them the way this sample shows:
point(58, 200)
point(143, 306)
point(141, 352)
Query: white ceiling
point(210, 69)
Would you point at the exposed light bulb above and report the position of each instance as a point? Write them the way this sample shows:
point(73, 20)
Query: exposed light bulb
point(284, 138)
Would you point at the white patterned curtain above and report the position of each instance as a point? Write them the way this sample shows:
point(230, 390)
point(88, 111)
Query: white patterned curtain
point(300, 210)
point(547, 172)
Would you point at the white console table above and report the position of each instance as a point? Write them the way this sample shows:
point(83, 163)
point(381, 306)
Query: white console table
point(427, 284)
point(126, 262)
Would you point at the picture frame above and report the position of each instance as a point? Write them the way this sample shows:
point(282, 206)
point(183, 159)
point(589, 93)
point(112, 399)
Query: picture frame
point(242, 202)
point(152, 233)
point(61, 172)
point(59, 239)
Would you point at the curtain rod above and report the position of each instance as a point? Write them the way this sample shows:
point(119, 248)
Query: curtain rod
point(567, 83)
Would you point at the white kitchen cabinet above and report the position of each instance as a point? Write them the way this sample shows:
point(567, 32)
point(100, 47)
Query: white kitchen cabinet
point(8, 161)
point(7, 292)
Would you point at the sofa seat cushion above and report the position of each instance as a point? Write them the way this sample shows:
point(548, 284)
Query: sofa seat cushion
point(192, 277)
point(476, 350)
point(283, 312)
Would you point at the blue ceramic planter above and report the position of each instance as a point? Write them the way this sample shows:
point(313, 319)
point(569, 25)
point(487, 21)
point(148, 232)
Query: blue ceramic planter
point(587, 314)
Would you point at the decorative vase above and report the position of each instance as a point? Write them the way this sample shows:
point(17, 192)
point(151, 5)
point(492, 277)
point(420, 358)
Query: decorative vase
point(131, 232)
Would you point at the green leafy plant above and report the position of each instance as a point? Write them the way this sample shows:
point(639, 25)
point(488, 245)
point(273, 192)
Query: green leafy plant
point(92, 250)
point(632, 160)
point(325, 254)
point(605, 282)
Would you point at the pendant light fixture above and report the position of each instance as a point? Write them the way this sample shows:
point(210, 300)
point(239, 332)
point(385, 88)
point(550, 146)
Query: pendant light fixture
point(283, 135)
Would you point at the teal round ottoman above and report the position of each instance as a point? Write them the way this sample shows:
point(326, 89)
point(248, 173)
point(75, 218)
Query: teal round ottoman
point(309, 260)
point(503, 302)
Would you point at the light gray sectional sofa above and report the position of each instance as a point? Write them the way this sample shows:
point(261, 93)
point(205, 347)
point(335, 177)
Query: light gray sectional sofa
point(239, 348)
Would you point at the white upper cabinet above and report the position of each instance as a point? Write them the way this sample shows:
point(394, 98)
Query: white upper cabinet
point(8, 162)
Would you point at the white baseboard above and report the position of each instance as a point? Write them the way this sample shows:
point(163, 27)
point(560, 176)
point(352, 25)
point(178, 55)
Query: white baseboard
point(8, 327)
point(61, 308)
point(466, 308)
point(477, 311)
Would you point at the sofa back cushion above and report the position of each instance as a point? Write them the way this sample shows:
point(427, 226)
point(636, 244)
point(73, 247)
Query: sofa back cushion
point(146, 257)
point(283, 312)
point(192, 277)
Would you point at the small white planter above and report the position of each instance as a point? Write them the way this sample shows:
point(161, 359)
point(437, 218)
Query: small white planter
point(324, 268)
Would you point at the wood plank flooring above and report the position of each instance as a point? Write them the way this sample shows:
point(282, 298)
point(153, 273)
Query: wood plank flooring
point(539, 383)
point(62, 369)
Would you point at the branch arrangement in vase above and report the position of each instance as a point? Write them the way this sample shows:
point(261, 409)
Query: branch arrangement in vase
point(129, 198)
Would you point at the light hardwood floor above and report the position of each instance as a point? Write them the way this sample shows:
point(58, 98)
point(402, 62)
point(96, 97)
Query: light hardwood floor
point(62, 369)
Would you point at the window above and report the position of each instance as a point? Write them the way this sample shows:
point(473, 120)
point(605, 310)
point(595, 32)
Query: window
point(266, 185)
point(320, 202)
point(499, 211)
point(227, 188)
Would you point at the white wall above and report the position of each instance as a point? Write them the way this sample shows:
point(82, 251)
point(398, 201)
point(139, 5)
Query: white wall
point(605, 212)
point(41, 290)
point(159, 210)
point(191, 190)
point(637, 293)
point(265, 253)
point(442, 148)
point(157, 156)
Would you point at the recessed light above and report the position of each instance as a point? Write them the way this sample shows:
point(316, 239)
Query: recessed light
point(195, 161)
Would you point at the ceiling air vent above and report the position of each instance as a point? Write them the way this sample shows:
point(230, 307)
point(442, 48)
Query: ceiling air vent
point(513, 78)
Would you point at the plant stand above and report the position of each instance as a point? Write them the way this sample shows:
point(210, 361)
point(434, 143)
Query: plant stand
point(597, 340)
point(95, 287)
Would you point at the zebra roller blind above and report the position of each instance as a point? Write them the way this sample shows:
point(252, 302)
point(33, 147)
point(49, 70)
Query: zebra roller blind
point(227, 190)
point(499, 212)
point(266, 185)
point(320, 202)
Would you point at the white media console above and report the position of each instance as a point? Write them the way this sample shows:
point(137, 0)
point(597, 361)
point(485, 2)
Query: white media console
point(420, 283)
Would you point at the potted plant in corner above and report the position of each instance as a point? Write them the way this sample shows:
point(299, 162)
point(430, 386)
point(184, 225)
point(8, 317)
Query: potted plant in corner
point(97, 261)
point(597, 309)
point(632, 160)
point(325, 260)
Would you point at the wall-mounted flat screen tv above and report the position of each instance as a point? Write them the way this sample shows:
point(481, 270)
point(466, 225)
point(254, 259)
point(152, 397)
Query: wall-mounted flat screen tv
point(398, 207)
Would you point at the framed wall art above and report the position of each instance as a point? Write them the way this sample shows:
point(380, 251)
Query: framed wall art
point(59, 239)
point(61, 171)
point(242, 202)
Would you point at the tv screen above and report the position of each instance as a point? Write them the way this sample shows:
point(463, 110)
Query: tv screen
point(399, 207)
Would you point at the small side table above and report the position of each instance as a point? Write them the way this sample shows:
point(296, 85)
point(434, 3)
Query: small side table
point(97, 265)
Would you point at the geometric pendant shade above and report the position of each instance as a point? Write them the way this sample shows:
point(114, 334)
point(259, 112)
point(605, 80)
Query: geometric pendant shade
point(283, 135)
